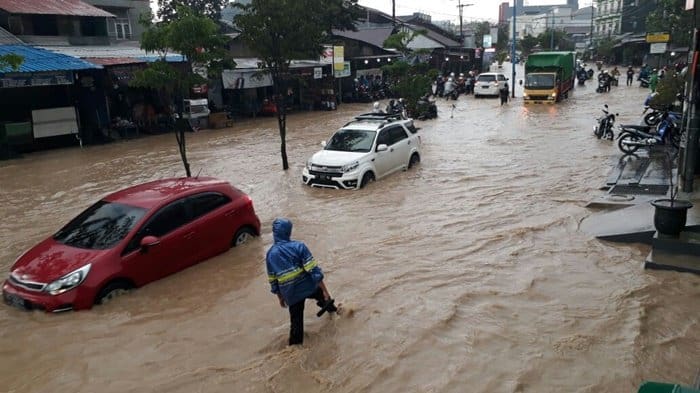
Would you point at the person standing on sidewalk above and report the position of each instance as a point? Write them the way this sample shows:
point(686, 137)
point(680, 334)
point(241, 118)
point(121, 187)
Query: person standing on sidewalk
point(630, 75)
point(294, 276)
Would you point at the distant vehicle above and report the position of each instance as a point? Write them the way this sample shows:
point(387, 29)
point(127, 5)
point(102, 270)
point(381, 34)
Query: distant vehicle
point(549, 76)
point(128, 239)
point(489, 84)
point(371, 147)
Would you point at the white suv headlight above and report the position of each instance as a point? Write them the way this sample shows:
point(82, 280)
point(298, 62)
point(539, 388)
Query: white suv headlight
point(69, 281)
point(351, 167)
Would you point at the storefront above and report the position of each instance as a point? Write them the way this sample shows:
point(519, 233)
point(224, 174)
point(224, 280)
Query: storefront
point(51, 99)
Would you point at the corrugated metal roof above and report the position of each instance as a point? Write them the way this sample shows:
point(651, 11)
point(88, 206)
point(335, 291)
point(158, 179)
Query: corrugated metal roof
point(373, 36)
point(110, 61)
point(7, 38)
point(38, 60)
point(113, 52)
point(52, 7)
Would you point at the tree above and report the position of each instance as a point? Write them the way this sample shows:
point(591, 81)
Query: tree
point(412, 82)
point(167, 9)
point(604, 47)
point(480, 30)
point(401, 40)
point(195, 37)
point(11, 60)
point(561, 41)
point(503, 39)
point(284, 30)
point(527, 43)
point(670, 16)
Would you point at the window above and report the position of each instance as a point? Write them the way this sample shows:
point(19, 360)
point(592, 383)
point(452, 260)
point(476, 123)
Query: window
point(501, 78)
point(397, 134)
point(123, 29)
point(384, 138)
point(163, 222)
point(486, 78)
point(101, 226)
point(204, 203)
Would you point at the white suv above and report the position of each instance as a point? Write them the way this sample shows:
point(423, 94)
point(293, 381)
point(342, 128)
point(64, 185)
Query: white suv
point(368, 148)
point(489, 84)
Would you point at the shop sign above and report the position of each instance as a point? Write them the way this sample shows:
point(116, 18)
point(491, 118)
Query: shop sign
point(487, 41)
point(658, 37)
point(659, 47)
point(245, 79)
point(318, 72)
point(27, 79)
point(338, 58)
point(345, 72)
point(326, 55)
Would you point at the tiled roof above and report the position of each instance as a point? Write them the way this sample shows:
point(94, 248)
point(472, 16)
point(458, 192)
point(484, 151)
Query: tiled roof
point(52, 7)
point(38, 60)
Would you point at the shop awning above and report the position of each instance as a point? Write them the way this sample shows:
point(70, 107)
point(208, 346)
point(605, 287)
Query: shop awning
point(112, 55)
point(41, 60)
point(52, 7)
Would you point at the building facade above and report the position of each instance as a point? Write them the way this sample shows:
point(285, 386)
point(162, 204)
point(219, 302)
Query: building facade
point(125, 25)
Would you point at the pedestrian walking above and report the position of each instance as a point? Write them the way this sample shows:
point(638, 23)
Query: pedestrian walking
point(504, 93)
point(295, 276)
point(630, 75)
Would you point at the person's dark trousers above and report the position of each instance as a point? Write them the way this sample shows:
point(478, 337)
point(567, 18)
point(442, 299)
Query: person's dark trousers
point(296, 316)
point(629, 81)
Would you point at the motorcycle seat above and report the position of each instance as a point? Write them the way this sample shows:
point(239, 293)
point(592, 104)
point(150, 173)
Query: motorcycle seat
point(637, 127)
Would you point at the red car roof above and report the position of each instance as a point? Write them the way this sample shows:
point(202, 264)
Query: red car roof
point(149, 195)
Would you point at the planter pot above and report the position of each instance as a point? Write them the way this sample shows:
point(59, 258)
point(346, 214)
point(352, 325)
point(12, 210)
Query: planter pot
point(670, 216)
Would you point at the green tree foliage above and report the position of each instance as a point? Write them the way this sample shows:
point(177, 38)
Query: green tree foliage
point(480, 30)
point(670, 16)
point(11, 60)
point(668, 89)
point(167, 9)
point(284, 30)
point(527, 43)
point(411, 82)
point(401, 40)
point(198, 39)
point(604, 47)
point(503, 38)
point(561, 41)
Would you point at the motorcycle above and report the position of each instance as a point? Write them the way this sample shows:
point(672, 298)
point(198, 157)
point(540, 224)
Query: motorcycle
point(603, 85)
point(397, 108)
point(666, 132)
point(604, 128)
point(643, 82)
point(426, 109)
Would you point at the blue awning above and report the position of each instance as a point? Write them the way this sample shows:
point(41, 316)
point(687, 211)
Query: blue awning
point(41, 60)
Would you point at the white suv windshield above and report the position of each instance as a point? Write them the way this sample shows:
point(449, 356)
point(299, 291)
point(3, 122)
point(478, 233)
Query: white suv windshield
point(352, 140)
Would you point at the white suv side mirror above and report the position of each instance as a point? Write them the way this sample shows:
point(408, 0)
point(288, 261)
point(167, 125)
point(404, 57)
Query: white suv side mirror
point(382, 147)
point(323, 143)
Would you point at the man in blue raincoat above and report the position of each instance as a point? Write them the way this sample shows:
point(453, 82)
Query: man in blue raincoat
point(294, 276)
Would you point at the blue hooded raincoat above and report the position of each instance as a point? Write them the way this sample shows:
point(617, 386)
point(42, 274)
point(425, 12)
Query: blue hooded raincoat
point(291, 269)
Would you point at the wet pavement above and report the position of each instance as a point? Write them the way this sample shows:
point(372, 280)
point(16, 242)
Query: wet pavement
point(466, 273)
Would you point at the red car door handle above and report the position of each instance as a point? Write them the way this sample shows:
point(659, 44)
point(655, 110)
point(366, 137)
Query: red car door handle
point(230, 213)
point(189, 236)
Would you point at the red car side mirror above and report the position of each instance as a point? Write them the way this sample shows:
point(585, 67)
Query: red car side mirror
point(148, 242)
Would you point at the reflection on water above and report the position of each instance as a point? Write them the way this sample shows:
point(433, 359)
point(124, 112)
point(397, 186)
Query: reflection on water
point(466, 271)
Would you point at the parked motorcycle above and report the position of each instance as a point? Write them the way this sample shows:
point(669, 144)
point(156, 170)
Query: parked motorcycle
point(666, 132)
point(604, 128)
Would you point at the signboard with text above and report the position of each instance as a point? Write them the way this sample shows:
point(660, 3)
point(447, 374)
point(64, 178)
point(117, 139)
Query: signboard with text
point(345, 72)
point(658, 37)
point(656, 48)
point(338, 58)
point(318, 72)
point(28, 79)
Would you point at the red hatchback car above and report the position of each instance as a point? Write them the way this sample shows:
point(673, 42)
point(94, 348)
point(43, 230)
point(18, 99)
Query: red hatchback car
point(128, 239)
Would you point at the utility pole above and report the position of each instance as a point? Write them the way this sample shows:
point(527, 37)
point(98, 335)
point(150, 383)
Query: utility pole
point(590, 44)
point(461, 31)
point(551, 36)
point(512, 55)
point(393, 12)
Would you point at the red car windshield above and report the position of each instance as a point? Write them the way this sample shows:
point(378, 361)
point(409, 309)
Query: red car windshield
point(101, 226)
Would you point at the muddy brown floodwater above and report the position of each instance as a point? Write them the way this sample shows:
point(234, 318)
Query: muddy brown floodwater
point(467, 274)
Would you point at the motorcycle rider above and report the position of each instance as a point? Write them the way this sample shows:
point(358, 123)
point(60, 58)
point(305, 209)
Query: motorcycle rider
point(605, 78)
point(615, 75)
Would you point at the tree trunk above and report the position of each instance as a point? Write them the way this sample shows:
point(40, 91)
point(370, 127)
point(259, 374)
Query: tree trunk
point(282, 122)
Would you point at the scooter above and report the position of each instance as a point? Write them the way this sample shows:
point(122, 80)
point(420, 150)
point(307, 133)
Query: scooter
point(604, 128)
point(426, 109)
point(632, 137)
point(603, 85)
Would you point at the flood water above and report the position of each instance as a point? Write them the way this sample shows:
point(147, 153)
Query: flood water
point(466, 274)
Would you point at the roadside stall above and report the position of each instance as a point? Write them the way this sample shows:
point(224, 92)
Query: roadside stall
point(50, 99)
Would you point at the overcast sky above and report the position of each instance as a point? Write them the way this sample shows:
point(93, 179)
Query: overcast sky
point(447, 9)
